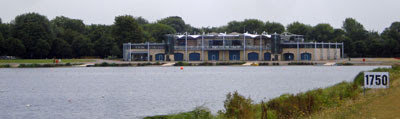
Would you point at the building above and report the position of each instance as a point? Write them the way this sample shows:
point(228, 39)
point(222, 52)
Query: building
point(233, 47)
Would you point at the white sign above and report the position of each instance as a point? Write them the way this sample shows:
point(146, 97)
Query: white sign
point(376, 79)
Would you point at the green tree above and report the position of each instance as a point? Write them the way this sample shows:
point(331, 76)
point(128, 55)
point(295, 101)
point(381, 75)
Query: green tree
point(2, 45)
point(104, 46)
point(96, 31)
point(391, 41)
point(273, 27)
point(158, 31)
point(82, 46)
point(141, 20)
point(253, 25)
point(4, 29)
point(175, 22)
point(61, 49)
point(41, 48)
point(235, 26)
point(33, 29)
point(322, 33)
point(68, 23)
point(115, 50)
point(126, 29)
point(300, 29)
point(354, 30)
point(14, 47)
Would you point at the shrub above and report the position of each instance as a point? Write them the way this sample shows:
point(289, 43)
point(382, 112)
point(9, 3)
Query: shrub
point(5, 65)
point(264, 64)
point(180, 63)
point(206, 64)
point(231, 63)
point(300, 63)
point(197, 113)
point(238, 107)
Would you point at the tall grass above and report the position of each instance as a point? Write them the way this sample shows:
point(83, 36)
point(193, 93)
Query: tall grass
point(289, 106)
point(303, 104)
point(197, 113)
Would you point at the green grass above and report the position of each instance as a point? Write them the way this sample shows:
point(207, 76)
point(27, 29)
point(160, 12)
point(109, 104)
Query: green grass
point(45, 61)
point(299, 105)
point(197, 113)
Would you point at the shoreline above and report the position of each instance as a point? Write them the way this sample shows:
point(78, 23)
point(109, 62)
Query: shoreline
point(117, 63)
point(306, 104)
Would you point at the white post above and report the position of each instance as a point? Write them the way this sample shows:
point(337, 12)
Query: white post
point(342, 50)
point(298, 51)
point(315, 51)
point(244, 47)
point(130, 52)
point(148, 51)
point(261, 48)
point(186, 52)
point(329, 51)
point(202, 47)
point(322, 51)
point(223, 47)
point(336, 51)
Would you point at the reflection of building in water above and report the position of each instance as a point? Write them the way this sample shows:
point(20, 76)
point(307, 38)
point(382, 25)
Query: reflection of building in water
point(233, 47)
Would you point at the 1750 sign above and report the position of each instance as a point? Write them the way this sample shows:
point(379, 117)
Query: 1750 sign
point(376, 80)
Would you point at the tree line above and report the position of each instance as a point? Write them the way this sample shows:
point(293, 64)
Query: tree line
point(33, 35)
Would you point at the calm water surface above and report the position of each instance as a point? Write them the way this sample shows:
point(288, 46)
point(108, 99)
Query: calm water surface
point(135, 92)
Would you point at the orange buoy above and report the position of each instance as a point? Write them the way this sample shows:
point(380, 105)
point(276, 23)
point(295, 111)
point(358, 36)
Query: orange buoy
point(181, 68)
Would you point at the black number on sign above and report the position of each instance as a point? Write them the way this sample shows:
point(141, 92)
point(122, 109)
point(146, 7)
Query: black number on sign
point(372, 79)
point(366, 79)
point(378, 79)
point(384, 80)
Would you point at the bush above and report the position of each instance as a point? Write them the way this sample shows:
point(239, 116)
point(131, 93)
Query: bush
point(231, 63)
point(197, 113)
point(5, 65)
point(264, 64)
point(345, 64)
point(180, 63)
point(206, 64)
point(68, 64)
point(238, 107)
point(300, 63)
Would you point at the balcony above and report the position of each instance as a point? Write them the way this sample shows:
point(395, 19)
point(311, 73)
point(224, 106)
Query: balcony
point(221, 47)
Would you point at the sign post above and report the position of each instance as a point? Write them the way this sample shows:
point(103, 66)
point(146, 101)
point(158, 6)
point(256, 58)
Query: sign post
point(376, 80)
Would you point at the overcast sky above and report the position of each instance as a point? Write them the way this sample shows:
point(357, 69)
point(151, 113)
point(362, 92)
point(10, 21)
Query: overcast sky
point(373, 14)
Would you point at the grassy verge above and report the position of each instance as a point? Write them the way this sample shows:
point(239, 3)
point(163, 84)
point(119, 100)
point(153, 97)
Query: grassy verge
point(301, 63)
point(39, 61)
point(45, 65)
point(301, 105)
point(105, 64)
point(344, 64)
point(208, 64)
point(5, 66)
point(377, 103)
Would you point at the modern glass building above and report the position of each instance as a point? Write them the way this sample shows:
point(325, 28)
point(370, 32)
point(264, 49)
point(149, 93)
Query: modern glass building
point(233, 47)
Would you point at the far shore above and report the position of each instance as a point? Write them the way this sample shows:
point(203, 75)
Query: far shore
point(33, 63)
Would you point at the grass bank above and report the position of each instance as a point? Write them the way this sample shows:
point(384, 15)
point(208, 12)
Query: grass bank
point(47, 65)
point(5, 65)
point(105, 64)
point(208, 63)
point(301, 105)
point(42, 61)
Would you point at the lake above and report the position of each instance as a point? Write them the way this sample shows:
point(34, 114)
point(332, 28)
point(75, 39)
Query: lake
point(135, 92)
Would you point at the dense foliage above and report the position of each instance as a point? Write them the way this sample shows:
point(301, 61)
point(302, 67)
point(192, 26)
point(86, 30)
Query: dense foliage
point(33, 35)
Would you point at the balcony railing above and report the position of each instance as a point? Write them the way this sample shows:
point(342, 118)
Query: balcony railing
point(221, 47)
